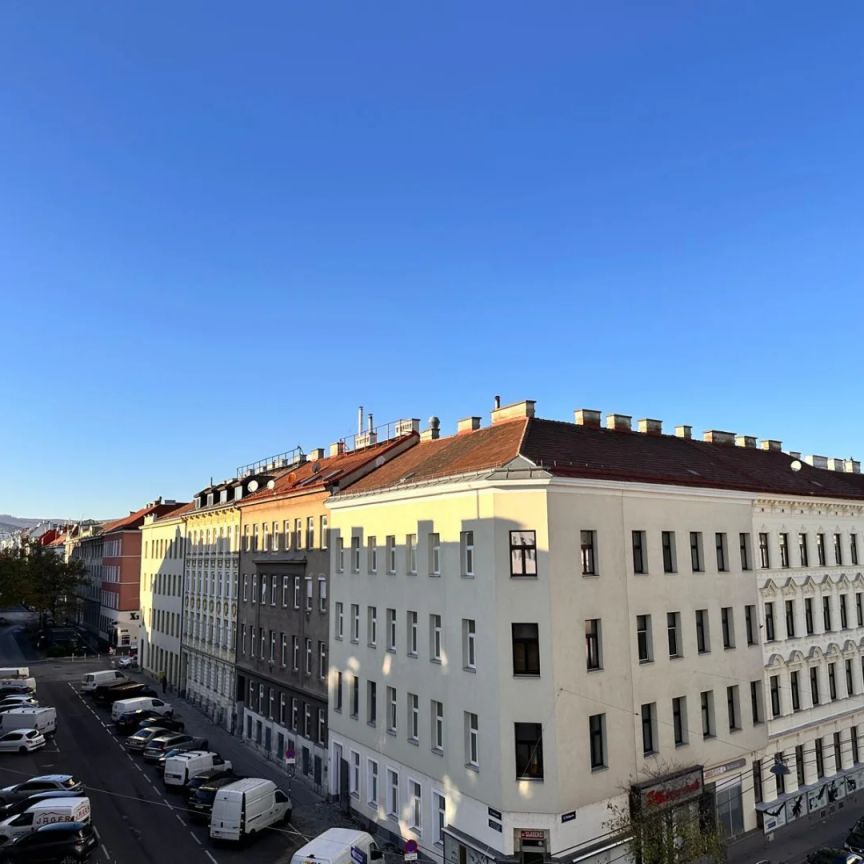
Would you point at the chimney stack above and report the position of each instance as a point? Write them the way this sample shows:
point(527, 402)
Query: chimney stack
point(817, 461)
point(337, 448)
point(650, 427)
point(771, 444)
point(745, 441)
point(316, 453)
point(587, 417)
point(715, 436)
point(360, 420)
point(513, 411)
point(618, 422)
point(433, 432)
point(467, 424)
point(497, 403)
point(684, 432)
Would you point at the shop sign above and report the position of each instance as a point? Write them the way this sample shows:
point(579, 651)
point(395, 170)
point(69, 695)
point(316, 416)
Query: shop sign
point(854, 781)
point(796, 807)
point(774, 817)
point(672, 790)
point(532, 835)
point(494, 814)
point(568, 817)
point(720, 770)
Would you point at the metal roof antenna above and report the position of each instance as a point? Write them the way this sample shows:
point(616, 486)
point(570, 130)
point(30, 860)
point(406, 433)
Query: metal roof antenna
point(360, 420)
point(497, 402)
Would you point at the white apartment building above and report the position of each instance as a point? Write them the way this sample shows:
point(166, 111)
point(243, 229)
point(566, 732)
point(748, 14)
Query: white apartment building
point(529, 619)
point(163, 556)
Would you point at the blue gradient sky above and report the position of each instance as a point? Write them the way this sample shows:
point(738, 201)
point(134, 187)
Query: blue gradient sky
point(224, 226)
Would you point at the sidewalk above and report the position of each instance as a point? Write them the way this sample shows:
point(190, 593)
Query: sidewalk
point(312, 814)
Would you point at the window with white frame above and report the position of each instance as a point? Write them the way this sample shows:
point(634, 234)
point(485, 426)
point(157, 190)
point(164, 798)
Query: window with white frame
point(274, 589)
point(416, 806)
point(263, 589)
point(434, 554)
point(284, 591)
point(472, 740)
point(355, 554)
point(340, 620)
point(372, 554)
point(254, 587)
point(308, 656)
point(440, 810)
point(322, 660)
point(309, 593)
point(340, 555)
point(413, 717)
point(372, 626)
point(245, 587)
point(322, 725)
point(469, 644)
point(412, 634)
point(355, 622)
point(391, 629)
point(392, 710)
point(310, 532)
point(466, 552)
point(322, 593)
point(284, 657)
point(296, 592)
point(325, 538)
point(372, 782)
point(438, 726)
point(411, 552)
point(391, 553)
point(354, 774)
point(435, 638)
point(392, 794)
point(295, 653)
point(295, 709)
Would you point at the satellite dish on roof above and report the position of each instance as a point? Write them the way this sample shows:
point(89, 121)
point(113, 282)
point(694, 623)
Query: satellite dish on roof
point(253, 485)
point(795, 465)
point(316, 467)
point(271, 484)
point(379, 461)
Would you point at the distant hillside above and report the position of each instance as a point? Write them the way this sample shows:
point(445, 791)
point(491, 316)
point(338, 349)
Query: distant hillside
point(10, 524)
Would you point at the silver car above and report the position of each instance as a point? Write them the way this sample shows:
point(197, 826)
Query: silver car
point(21, 741)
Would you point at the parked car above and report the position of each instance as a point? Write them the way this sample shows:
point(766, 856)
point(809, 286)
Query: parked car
point(855, 841)
point(121, 707)
point(194, 744)
point(19, 701)
point(148, 718)
point(108, 695)
point(53, 844)
point(21, 741)
point(182, 767)
point(202, 793)
point(19, 806)
point(140, 739)
point(161, 744)
point(829, 855)
point(43, 720)
point(102, 678)
point(129, 662)
point(15, 672)
point(245, 807)
point(42, 783)
point(45, 812)
point(337, 846)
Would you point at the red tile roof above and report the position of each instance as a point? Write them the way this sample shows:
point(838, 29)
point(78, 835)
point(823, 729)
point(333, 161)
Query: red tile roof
point(136, 519)
point(316, 475)
point(179, 511)
point(568, 450)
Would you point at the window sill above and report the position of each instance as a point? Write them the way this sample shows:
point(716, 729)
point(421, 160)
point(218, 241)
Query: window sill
point(526, 674)
point(528, 779)
point(472, 767)
point(371, 724)
point(676, 656)
point(391, 732)
point(680, 744)
point(523, 575)
point(594, 669)
point(435, 660)
point(596, 769)
point(471, 669)
point(646, 662)
point(437, 751)
point(414, 741)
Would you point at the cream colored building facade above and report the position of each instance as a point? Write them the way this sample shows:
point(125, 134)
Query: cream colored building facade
point(163, 556)
point(208, 667)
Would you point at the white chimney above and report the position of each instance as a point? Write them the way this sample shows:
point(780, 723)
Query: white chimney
point(684, 432)
point(648, 426)
point(745, 441)
point(316, 453)
point(618, 422)
point(817, 461)
point(587, 417)
point(513, 411)
point(771, 444)
point(467, 424)
point(715, 436)
point(337, 448)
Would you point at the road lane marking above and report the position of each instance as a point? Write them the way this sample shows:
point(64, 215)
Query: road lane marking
point(210, 857)
point(179, 818)
point(194, 838)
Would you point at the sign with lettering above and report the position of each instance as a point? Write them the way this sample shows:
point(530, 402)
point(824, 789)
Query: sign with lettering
point(568, 817)
point(711, 773)
point(358, 856)
point(531, 834)
point(670, 790)
point(495, 826)
point(495, 814)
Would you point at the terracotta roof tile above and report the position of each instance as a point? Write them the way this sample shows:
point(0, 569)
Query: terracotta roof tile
point(136, 519)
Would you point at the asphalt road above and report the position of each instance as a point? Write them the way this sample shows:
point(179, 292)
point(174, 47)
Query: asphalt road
point(138, 822)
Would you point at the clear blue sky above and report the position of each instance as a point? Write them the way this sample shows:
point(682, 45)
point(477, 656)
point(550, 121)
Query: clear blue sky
point(224, 226)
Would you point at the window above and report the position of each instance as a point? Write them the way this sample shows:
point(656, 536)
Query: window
point(750, 624)
point(254, 587)
point(744, 547)
point(371, 703)
point(325, 534)
point(296, 592)
point(790, 619)
point(853, 551)
point(814, 685)
point(838, 756)
point(272, 646)
point(434, 554)
point(354, 774)
point(245, 587)
point(784, 550)
point(589, 560)
point(372, 626)
point(416, 806)
point(696, 551)
point(391, 629)
point(769, 622)
point(295, 653)
point(826, 613)
point(340, 555)
point(720, 546)
point(648, 720)
point(799, 764)
point(844, 617)
point(859, 609)
point(639, 550)
point(298, 533)
point(411, 548)
point(355, 697)
point(340, 620)
point(243, 639)
point(284, 650)
point(412, 634)
point(775, 695)
point(673, 630)
point(391, 554)
point(284, 591)
point(757, 780)
point(413, 717)
point(597, 740)
point(707, 699)
point(795, 690)
point(732, 708)
point(310, 532)
point(592, 643)
point(529, 751)
point(526, 649)
point(703, 638)
point(803, 550)
point(679, 720)
point(392, 710)
point(372, 782)
point(440, 817)
point(466, 552)
point(764, 556)
point(392, 794)
point(469, 644)
point(727, 623)
point(355, 622)
point(322, 660)
point(838, 550)
point(435, 638)
point(438, 726)
point(832, 681)
point(853, 733)
point(472, 743)
point(850, 685)
point(372, 555)
point(820, 760)
point(667, 542)
point(820, 549)
point(355, 554)
point(322, 593)
point(523, 553)
point(309, 591)
point(808, 615)
point(644, 642)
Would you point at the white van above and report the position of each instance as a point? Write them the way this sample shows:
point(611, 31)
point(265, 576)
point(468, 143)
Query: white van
point(339, 846)
point(246, 807)
point(180, 769)
point(46, 813)
point(43, 720)
point(92, 680)
point(18, 685)
point(140, 703)
point(15, 672)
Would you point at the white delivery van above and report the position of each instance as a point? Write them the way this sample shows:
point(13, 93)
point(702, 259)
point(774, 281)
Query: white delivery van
point(140, 703)
point(15, 672)
point(46, 813)
point(339, 846)
point(246, 807)
point(18, 684)
point(43, 720)
point(92, 680)
point(180, 769)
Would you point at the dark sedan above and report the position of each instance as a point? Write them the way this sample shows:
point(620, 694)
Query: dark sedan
point(43, 783)
point(201, 797)
point(151, 718)
point(60, 842)
point(192, 744)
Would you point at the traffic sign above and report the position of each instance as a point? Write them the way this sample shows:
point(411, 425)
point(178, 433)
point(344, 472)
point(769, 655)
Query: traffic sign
point(410, 853)
point(290, 756)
